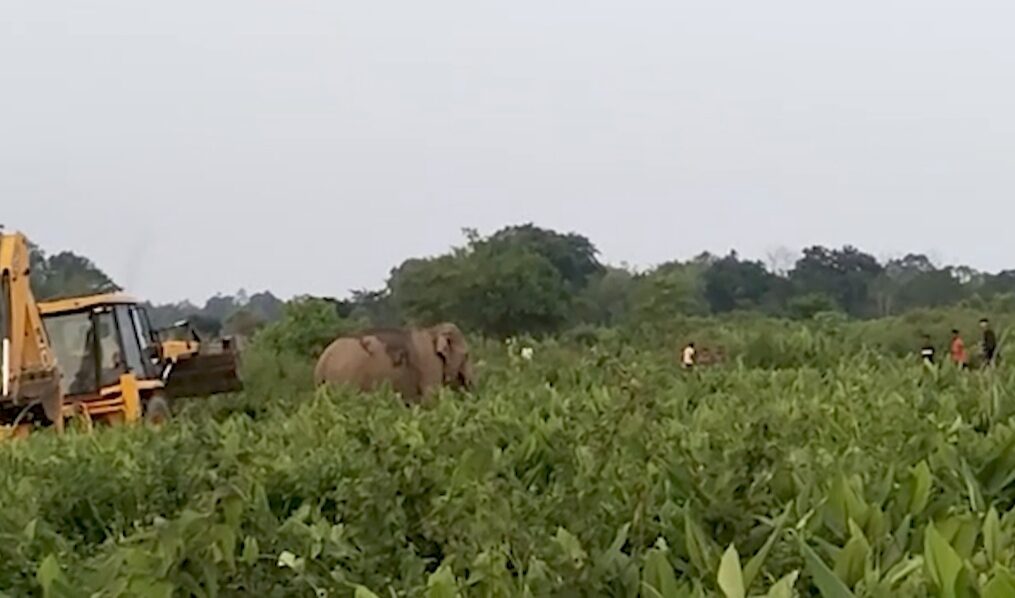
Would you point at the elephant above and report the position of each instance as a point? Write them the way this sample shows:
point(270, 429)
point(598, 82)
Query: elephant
point(415, 361)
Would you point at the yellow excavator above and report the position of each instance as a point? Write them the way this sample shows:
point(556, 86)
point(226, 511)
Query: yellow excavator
point(29, 375)
point(94, 358)
point(117, 368)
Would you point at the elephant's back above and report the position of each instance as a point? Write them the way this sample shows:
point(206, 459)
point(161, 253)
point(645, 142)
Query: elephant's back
point(339, 361)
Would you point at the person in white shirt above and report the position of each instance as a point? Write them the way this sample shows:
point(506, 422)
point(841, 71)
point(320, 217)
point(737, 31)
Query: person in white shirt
point(687, 358)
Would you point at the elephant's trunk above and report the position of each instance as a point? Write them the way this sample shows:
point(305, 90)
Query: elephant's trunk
point(466, 379)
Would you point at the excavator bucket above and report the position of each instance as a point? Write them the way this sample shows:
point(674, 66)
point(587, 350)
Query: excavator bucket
point(203, 374)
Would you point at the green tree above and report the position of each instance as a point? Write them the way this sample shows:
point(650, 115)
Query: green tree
point(307, 326)
point(429, 290)
point(513, 291)
point(670, 291)
point(266, 306)
point(376, 307)
point(243, 322)
point(606, 300)
point(574, 257)
point(66, 274)
point(499, 289)
point(914, 282)
point(220, 307)
point(997, 284)
point(845, 275)
point(205, 326)
point(732, 284)
point(806, 307)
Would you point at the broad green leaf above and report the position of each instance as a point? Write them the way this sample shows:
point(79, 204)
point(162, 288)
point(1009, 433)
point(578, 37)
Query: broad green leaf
point(251, 551)
point(150, 588)
point(30, 528)
point(289, 560)
point(920, 487)
point(992, 535)
point(754, 566)
point(903, 571)
point(211, 579)
point(972, 488)
point(784, 588)
point(699, 546)
point(658, 578)
point(537, 572)
point(877, 525)
point(961, 533)
point(188, 583)
point(999, 470)
point(1001, 585)
point(851, 561)
point(442, 584)
point(943, 564)
point(571, 546)
point(225, 540)
point(948, 528)
point(619, 540)
point(47, 574)
point(362, 592)
point(825, 579)
point(232, 510)
point(844, 504)
point(731, 576)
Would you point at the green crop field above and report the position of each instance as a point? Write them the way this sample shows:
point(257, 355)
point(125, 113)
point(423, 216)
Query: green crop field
point(808, 464)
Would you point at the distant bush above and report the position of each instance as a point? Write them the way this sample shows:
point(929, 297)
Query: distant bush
point(306, 327)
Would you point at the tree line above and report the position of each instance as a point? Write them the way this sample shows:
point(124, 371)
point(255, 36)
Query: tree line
point(67, 274)
point(531, 280)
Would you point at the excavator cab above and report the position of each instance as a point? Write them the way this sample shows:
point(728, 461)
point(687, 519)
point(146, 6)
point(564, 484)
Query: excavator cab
point(110, 364)
point(116, 367)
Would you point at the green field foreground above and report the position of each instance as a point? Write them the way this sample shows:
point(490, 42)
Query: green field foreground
point(585, 472)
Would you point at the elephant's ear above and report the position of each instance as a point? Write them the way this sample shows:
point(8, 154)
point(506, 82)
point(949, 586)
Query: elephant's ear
point(448, 340)
point(372, 345)
point(442, 343)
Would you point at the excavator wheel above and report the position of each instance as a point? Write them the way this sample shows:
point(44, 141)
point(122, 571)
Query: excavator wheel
point(81, 421)
point(156, 411)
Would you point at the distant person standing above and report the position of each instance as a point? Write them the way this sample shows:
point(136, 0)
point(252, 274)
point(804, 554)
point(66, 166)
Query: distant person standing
point(989, 342)
point(927, 350)
point(959, 355)
point(688, 356)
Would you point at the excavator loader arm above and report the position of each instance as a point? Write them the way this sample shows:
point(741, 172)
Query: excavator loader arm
point(198, 368)
point(28, 371)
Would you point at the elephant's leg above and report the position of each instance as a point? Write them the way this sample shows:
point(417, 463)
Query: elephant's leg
point(410, 383)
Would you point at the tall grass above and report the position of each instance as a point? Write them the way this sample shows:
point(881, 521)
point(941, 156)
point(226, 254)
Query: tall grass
point(817, 460)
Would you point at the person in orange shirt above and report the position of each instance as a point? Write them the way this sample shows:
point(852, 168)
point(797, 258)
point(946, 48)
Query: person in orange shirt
point(959, 355)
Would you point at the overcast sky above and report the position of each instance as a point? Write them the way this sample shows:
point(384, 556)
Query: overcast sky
point(191, 146)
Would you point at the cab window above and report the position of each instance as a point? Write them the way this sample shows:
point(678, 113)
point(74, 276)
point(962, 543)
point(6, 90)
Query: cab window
point(111, 357)
point(149, 351)
point(131, 340)
point(73, 343)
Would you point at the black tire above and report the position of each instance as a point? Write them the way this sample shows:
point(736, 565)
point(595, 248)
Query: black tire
point(156, 411)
